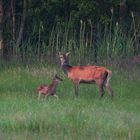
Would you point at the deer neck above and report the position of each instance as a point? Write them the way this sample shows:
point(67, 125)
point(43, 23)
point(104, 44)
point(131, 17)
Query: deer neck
point(54, 83)
point(66, 68)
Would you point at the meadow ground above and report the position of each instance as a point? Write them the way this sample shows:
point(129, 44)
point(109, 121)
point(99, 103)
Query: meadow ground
point(24, 117)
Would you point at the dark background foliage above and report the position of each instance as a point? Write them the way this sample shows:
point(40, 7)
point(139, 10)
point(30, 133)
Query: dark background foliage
point(28, 24)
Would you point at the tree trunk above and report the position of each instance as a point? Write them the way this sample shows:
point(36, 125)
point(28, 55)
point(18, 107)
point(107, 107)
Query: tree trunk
point(1, 28)
point(13, 20)
point(122, 11)
point(22, 24)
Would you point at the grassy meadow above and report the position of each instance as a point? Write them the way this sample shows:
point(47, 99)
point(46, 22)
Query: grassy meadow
point(24, 117)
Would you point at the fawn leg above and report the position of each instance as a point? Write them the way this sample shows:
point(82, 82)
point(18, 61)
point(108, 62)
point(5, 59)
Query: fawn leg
point(56, 96)
point(46, 96)
point(39, 95)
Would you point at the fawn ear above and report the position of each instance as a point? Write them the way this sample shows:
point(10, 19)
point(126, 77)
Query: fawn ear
point(67, 54)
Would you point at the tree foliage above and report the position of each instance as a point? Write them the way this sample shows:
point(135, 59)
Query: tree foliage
point(42, 16)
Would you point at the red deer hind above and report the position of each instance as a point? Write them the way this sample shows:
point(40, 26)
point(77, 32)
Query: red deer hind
point(87, 74)
point(49, 90)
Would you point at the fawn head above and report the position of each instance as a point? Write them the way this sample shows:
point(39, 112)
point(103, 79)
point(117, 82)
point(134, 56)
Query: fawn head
point(57, 78)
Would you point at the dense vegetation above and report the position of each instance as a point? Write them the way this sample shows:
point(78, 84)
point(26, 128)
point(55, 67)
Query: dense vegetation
point(97, 28)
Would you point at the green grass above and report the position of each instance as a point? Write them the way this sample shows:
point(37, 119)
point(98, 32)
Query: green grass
point(24, 117)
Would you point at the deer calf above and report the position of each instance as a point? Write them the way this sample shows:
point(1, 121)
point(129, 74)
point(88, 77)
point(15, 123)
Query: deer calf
point(49, 90)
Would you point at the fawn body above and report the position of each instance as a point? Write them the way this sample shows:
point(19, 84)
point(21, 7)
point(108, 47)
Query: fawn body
point(49, 90)
point(87, 74)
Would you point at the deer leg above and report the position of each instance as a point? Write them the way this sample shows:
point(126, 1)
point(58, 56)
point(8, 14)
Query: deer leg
point(101, 91)
point(76, 86)
point(108, 87)
point(100, 84)
point(109, 90)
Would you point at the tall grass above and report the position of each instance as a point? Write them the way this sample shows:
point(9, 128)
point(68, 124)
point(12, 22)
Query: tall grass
point(23, 116)
point(89, 43)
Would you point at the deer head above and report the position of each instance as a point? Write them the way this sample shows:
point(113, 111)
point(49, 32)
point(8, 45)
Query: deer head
point(64, 58)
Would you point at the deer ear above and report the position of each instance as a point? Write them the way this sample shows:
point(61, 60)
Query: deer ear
point(67, 54)
point(59, 53)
